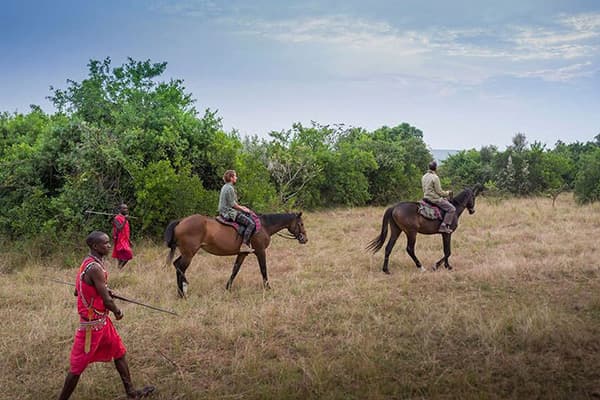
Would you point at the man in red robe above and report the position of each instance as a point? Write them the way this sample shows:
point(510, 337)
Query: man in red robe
point(96, 339)
point(121, 231)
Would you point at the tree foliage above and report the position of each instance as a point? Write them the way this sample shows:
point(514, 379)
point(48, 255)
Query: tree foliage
point(123, 135)
point(524, 169)
point(587, 181)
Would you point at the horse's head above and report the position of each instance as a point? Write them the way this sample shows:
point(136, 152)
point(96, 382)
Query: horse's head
point(470, 201)
point(471, 195)
point(296, 228)
point(465, 199)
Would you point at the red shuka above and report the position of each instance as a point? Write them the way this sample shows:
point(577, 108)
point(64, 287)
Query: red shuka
point(122, 249)
point(106, 344)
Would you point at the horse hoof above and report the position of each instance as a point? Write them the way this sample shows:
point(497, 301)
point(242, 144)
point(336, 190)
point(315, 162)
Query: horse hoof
point(266, 286)
point(422, 269)
point(386, 271)
point(184, 289)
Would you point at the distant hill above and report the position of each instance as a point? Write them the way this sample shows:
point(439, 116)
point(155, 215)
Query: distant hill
point(441, 154)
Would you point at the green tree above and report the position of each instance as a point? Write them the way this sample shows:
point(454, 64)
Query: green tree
point(144, 126)
point(163, 194)
point(469, 167)
point(587, 182)
point(346, 174)
point(402, 157)
point(296, 160)
point(255, 187)
point(512, 168)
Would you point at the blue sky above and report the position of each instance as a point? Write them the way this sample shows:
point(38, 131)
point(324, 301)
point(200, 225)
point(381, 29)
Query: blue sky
point(467, 73)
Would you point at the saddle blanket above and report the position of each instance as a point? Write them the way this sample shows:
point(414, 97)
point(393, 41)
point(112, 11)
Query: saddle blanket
point(429, 211)
point(240, 228)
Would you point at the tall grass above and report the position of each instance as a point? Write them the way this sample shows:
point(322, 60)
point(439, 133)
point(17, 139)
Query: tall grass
point(519, 317)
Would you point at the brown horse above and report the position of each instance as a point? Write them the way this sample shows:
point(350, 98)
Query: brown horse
point(196, 232)
point(403, 217)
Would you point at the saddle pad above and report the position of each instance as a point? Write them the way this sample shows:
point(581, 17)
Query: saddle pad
point(227, 222)
point(237, 226)
point(429, 211)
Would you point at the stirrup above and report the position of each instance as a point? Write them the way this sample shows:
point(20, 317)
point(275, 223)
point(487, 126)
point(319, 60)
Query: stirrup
point(445, 229)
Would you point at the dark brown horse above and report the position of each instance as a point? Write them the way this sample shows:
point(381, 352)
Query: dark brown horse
point(403, 217)
point(196, 232)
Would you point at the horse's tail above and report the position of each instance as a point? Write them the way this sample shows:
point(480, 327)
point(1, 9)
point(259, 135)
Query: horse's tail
point(170, 240)
point(377, 243)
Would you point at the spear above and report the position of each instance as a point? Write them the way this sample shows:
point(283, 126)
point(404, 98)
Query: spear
point(104, 213)
point(116, 296)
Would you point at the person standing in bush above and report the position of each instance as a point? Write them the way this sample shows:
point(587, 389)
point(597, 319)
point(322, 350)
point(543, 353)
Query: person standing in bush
point(432, 191)
point(121, 236)
point(96, 339)
point(232, 211)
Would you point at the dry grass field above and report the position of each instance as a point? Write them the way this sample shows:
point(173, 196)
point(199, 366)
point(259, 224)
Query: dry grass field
point(517, 318)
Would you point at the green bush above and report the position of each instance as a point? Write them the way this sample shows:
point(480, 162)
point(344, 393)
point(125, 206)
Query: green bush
point(587, 181)
point(162, 194)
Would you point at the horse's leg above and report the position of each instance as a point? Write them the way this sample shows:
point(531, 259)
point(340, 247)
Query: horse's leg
point(181, 264)
point(394, 234)
point(262, 262)
point(236, 268)
point(410, 248)
point(446, 239)
point(447, 249)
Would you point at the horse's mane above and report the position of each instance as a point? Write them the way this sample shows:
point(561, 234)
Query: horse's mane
point(462, 196)
point(274, 219)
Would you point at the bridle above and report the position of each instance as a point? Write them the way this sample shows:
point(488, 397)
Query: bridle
point(299, 236)
point(472, 202)
point(292, 235)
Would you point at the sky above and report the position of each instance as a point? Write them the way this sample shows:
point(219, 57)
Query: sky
point(466, 73)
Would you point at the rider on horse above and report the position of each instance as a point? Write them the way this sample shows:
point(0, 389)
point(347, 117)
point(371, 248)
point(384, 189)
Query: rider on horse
point(433, 193)
point(230, 210)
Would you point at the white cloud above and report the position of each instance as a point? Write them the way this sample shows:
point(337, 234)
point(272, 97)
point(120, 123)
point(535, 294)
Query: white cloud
point(563, 74)
point(583, 22)
point(190, 8)
point(340, 31)
point(567, 37)
point(564, 48)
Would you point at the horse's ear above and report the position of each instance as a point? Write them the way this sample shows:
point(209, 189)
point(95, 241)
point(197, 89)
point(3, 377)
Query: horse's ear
point(299, 214)
point(477, 189)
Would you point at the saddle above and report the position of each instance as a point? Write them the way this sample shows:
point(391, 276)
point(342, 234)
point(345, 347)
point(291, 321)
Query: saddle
point(240, 228)
point(429, 210)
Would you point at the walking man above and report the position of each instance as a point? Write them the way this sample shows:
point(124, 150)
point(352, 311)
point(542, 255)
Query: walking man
point(96, 339)
point(121, 236)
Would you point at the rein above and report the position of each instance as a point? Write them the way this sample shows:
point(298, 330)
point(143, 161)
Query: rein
point(284, 221)
point(286, 236)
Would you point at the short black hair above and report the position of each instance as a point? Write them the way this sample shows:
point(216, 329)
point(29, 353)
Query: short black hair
point(433, 165)
point(94, 237)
